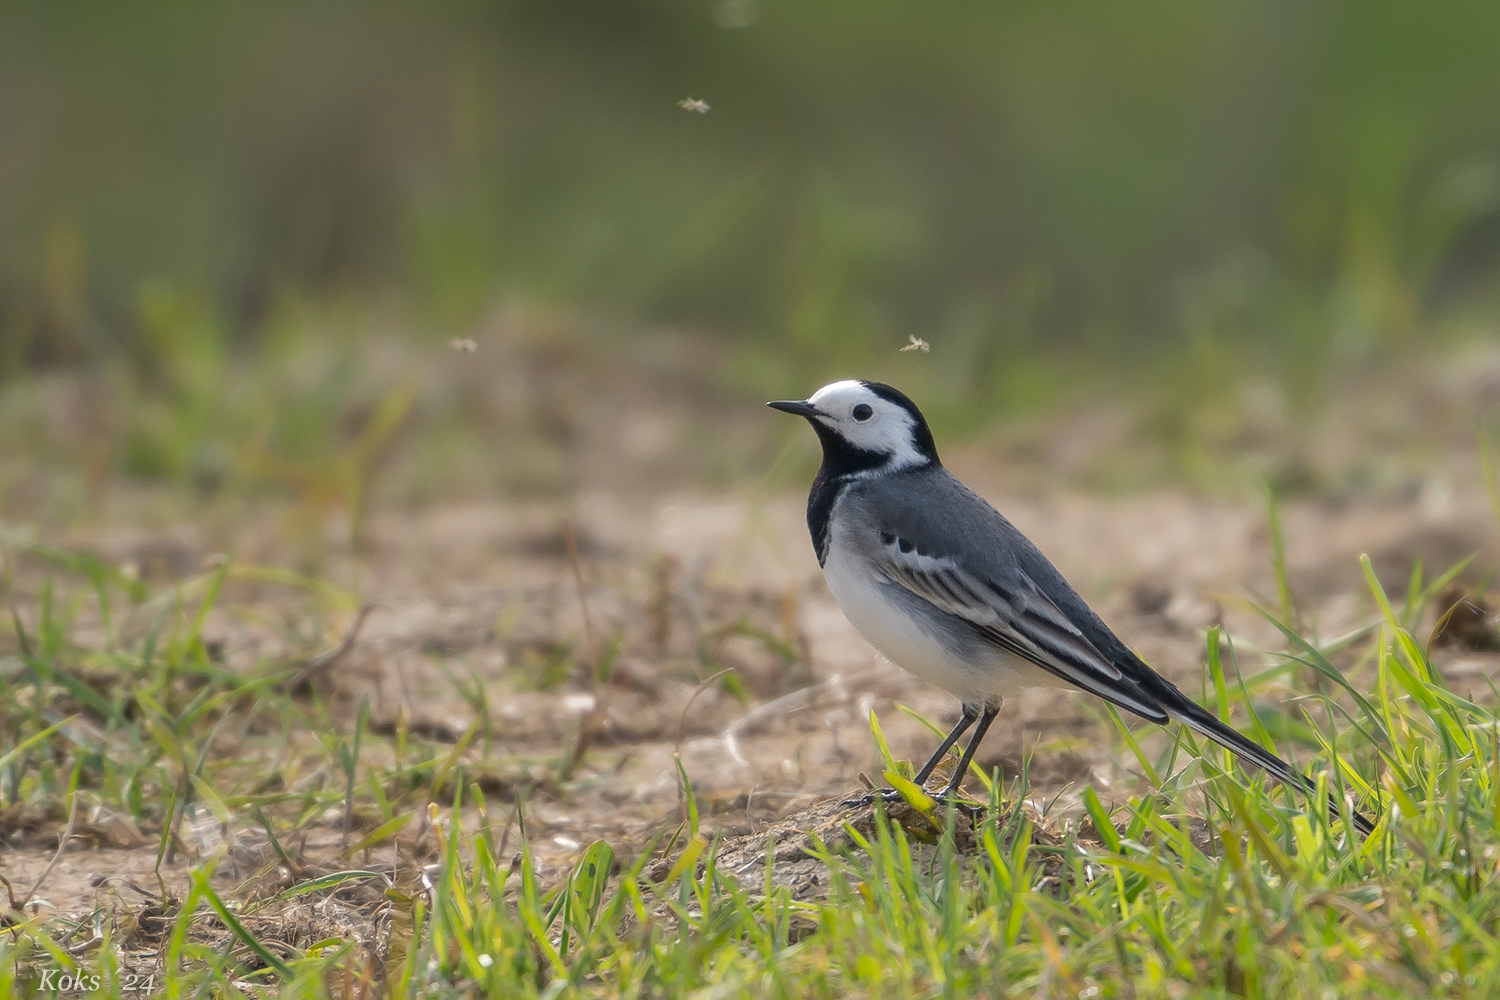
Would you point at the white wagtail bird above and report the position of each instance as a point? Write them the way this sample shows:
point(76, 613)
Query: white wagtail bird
point(945, 587)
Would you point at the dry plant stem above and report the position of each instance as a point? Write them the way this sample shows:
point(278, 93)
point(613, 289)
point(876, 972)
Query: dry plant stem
point(329, 658)
point(681, 723)
point(682, 719)
point(794, 701)
point(62, 845)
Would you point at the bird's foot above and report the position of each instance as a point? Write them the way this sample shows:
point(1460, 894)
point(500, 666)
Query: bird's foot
point(973, 810)
point(886, 795)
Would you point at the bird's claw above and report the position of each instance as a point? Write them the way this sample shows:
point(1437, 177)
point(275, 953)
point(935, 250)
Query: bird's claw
point(973, 810)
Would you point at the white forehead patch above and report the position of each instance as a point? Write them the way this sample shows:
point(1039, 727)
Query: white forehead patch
point(887, 428)
point(850, 391)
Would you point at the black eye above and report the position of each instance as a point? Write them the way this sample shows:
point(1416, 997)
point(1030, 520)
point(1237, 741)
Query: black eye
point(862, 412)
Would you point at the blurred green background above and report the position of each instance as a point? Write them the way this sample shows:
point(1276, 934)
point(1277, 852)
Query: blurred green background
point(234, 239)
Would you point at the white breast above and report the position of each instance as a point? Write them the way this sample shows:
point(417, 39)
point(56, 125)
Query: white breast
point(908, 643)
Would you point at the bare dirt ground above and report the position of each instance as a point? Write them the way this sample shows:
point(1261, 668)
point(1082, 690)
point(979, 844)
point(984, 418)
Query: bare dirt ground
point(693, 583)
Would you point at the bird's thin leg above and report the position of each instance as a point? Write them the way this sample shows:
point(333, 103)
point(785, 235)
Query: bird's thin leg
point(963, 765)
point(970, 713)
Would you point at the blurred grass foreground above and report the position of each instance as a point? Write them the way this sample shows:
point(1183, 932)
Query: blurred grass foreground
point(234, 230)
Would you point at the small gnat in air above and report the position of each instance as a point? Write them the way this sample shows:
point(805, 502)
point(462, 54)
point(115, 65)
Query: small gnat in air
point(695, 105)
point(915, 343)
point(462, 345)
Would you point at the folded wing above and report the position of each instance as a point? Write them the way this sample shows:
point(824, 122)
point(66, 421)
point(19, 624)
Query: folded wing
point(1013, 613)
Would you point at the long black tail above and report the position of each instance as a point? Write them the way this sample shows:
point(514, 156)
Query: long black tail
point(1201, 721)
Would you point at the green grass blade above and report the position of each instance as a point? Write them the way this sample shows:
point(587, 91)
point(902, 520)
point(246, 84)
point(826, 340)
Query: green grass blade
point(204, 889)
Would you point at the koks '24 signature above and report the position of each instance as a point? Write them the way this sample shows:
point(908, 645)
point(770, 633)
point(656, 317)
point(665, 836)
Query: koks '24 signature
point(83, 982)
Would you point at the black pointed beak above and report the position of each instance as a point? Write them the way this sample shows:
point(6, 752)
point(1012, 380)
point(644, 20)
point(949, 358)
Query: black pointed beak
point(794, 406)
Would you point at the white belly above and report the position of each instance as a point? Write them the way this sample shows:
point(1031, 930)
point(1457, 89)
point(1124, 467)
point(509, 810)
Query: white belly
point(906, 642)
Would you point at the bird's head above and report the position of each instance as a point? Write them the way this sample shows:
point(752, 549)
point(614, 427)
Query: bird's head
point(865, 426)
